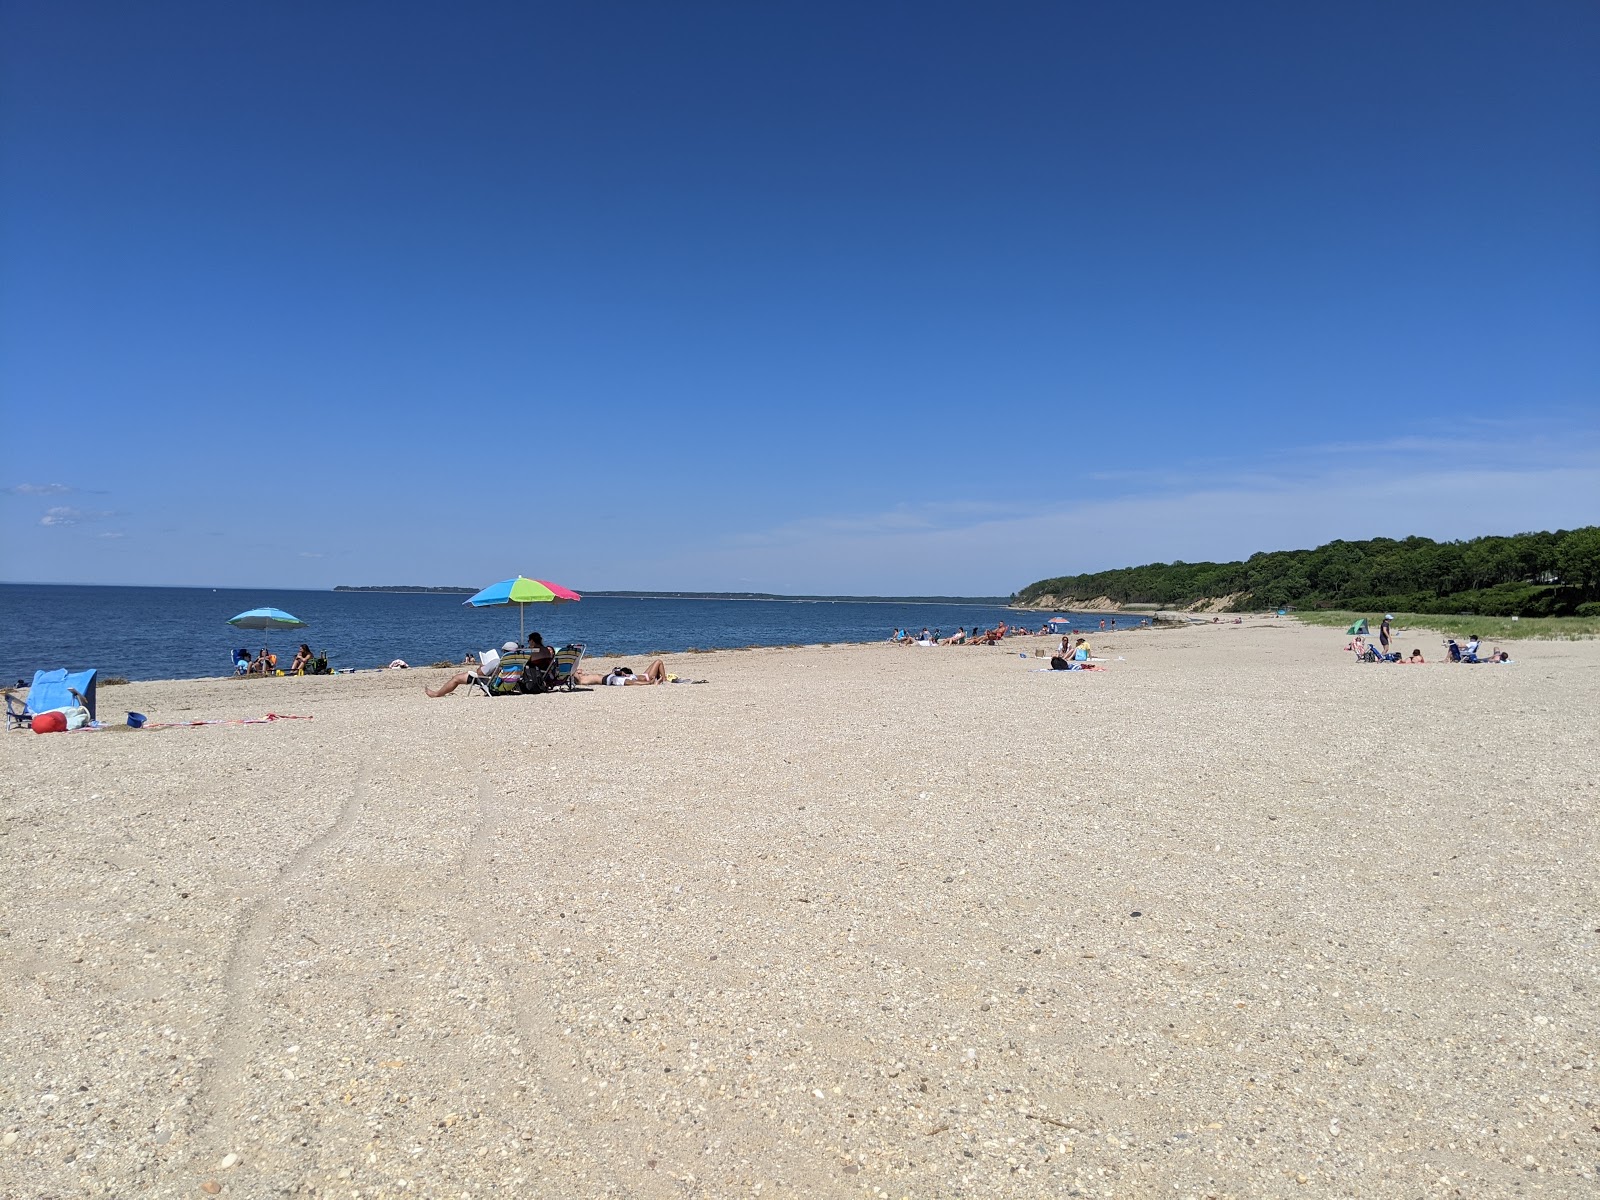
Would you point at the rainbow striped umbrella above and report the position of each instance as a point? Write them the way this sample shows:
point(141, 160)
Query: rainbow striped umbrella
point(522, 592)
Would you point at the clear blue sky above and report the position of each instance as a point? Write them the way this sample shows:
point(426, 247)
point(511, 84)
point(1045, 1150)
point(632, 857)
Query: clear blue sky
point(894, 298)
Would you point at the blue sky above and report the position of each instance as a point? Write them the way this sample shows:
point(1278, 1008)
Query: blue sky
point(893, 298)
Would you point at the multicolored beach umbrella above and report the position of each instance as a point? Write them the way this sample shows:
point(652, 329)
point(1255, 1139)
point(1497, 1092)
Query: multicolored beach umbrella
point(1059, 621)
point(522, 592)
point(267, 619)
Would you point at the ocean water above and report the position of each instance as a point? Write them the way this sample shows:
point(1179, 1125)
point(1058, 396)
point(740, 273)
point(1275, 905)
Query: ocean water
point(182, 633)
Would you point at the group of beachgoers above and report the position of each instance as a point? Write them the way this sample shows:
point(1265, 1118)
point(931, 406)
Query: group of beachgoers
point(988, 637)
point(1456, 652)
point(266, 662)
point(536, 665)
point(978, 637)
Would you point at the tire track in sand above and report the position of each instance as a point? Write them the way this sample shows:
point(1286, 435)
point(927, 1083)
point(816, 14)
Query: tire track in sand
point(211, 1127)
point(536, 1024)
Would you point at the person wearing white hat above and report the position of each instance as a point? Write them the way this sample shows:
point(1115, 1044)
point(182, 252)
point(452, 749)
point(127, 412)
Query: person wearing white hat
point(1383, 633)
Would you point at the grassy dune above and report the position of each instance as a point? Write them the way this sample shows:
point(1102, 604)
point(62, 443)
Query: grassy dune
point(1490, 628)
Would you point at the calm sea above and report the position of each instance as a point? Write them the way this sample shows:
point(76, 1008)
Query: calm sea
point(182, 633)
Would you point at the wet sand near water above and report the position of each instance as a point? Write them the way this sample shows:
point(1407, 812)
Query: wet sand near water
point(1235, 917)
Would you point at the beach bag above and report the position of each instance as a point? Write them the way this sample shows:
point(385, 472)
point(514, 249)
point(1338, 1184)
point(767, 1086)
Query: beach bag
point(54, 721)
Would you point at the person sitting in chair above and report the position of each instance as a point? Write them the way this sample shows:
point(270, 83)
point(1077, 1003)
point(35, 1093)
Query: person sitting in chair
point(540, 657)
point(241, 661)
point(265, 663)
point(302, 660)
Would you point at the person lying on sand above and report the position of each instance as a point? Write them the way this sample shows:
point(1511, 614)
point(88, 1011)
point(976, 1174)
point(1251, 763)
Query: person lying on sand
point(655, 673)
point(956, 638)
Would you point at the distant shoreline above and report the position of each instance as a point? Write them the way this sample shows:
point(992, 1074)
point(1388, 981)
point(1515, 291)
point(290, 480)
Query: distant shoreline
point(998, 601)
point(408, 589)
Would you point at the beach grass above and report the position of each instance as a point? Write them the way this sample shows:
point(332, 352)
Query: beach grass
point(1491, 628)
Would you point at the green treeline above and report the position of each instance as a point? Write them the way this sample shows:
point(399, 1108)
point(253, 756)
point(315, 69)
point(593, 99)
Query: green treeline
point(1527, 575)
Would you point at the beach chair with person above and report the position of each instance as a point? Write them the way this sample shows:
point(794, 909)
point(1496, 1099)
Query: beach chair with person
point(563, 669)
point(509, 677)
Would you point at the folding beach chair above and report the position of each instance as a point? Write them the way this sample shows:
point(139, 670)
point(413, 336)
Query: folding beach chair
point(563, 671)
point(17, 714)
point(510, 676)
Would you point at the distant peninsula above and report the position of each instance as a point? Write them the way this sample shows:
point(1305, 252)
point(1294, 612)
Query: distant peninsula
point(445, 591)
point(467, 591)
point(809, 599)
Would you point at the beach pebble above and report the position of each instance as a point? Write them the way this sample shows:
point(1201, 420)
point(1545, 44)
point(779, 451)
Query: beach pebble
point(229, 1160)
point(10, 1139)
point(211, 1187)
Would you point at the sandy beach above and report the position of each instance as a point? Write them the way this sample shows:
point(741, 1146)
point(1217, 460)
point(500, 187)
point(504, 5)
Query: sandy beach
point(1234, 917)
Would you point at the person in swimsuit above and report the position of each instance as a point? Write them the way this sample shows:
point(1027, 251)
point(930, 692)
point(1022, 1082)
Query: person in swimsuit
point(302, 660)
point(655, 673)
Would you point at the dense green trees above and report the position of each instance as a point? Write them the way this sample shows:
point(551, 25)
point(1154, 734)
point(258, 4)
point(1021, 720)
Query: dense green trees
point(1529, 574)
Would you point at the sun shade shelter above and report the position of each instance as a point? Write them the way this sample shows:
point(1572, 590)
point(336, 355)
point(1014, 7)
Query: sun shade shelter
point(1359, 627)
point(268, 619)
point(61, 689)
point(521, 591)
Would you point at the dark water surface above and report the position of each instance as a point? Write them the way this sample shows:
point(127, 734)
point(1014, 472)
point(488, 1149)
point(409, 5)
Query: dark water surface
point(182, 633)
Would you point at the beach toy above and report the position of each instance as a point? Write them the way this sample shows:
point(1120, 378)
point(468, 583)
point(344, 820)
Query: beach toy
point(136, 720)
point(54, 721)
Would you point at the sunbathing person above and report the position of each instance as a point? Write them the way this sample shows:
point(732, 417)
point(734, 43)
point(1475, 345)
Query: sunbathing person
point(655, 673)
point(302, 660)
point(265, 663)
point(956, 638)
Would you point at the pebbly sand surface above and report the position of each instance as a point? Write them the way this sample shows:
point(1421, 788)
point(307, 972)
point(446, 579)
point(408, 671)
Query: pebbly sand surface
point(1235, 917)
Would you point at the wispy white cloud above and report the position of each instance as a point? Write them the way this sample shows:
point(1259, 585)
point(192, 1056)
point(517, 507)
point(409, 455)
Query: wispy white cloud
point(955, 547)
point(38, 489)
point(111, 534)
point(312, 554)
point(64, 515)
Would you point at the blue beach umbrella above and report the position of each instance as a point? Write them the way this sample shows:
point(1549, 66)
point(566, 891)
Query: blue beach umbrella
point(267, 619)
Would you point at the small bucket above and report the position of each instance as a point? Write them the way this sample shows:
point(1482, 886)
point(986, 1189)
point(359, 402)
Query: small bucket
point(136, 720)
